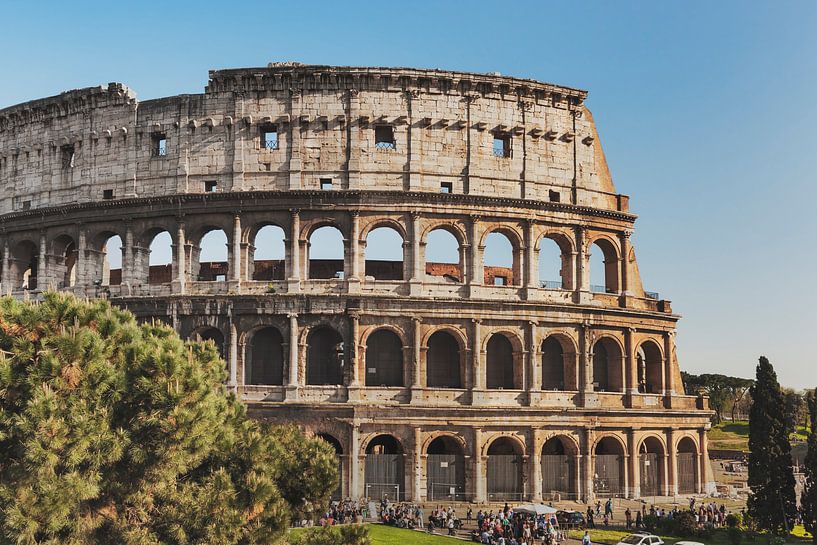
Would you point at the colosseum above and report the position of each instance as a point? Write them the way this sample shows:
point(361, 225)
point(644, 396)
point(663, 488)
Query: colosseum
point(398, 260)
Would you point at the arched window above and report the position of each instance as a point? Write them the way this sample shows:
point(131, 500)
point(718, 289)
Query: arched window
point(265, 357)
point(25, 260)
point(499, 365)
point(445, 470)
point(558, 468)
point(65, 251)
point(443, 256)
point(112, 261)
point(499, 261)
point(213, 263)
point(650, 368)
point(687, 466)
point(384, 475)
point(505, 467)
point(384, 254)
point(551, 265)
point(324, 357)
point(651, 467)
point(384, 359)
point(269, 254)
point(443, 361)
point(553, 365)
point(326, 252)
point(608, 369)
point(338, 492)
point(608, 479)
point(604, 267)
point(161, 259)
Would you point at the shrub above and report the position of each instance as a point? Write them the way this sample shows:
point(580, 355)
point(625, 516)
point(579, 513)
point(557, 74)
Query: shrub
point(685, 525)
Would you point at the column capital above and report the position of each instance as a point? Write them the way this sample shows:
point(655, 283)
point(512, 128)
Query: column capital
point(294, 212)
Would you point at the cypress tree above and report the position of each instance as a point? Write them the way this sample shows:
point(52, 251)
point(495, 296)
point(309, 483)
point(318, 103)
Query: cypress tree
point(808, 501)
point(771, 503)
point(113, 432)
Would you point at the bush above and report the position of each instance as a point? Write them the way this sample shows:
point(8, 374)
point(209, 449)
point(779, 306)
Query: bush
point(734, 534)
point(651, 523)
point(733, 520)
point(685, 525)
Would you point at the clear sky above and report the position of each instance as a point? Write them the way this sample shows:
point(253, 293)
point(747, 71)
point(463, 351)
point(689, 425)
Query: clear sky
point(706, 111)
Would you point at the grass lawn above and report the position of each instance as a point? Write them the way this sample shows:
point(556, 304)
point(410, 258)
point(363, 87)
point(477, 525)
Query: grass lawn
point(730, 436)
point(389, 535)
point(609, 536)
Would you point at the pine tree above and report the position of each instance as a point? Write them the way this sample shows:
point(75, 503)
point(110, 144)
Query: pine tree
point(808, 501)
point(771, 503)
point(115, 432)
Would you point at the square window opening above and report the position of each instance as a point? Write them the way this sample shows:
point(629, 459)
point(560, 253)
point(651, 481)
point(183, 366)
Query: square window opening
point(269, 137)
point(26, 205)
point(68, 155)
point(446, 187)
point(107, 194)
point(554, 196)
point(384, 137)
point(159, 144)
point(221, 278)
point(326, 183)
point(210, 186)
point(500, 280)
point(502, 144)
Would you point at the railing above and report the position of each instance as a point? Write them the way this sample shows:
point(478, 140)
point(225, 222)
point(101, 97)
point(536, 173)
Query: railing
point(595, 288)
point(385, 145)
point(551, 284)
point(652, 295)
point(271, 143)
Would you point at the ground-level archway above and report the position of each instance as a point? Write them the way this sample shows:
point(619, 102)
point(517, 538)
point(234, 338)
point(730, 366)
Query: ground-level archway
point(384, 475)
point(687, 466)
point(338, 492)
point(651, 467)
point(609, 475)
point(559, 469)
point(505, 468)
point(445, 470)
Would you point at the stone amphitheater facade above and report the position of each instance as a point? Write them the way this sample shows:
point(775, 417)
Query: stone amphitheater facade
point(434, 381)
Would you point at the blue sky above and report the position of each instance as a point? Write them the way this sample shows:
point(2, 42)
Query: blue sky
point(706, 111)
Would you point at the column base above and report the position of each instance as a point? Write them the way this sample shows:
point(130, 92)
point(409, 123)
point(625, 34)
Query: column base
point(353, 393)
point(234, 286)
point(415, 287)
point(583, 297)
point(417, 397)
point(291, 393)
point(293, 285)
point(353, 285)
point(479, 397)
point(178, 287)
point(589, 399)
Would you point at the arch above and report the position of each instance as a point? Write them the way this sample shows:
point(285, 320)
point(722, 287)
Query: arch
point(558, 461)
point(268, 255)
point(650, 364)
point(443, 361)
point(688, 467)
point(609, 471)
point(651, 453)
point(500, 258)
point(338, 492)
point(265, 357)
point(160, 260)
point(64, 252)
point(111, 249)
point(384, 359)
point(384, 476)
point(553, 364)
point(207, 333)
point(445, 469)
point(443, 255)
point(604, 266)
point(324, 357)
point(608, 366)
point(25, 259)
point(325, 252)
point(211, 261)
point(505, 468)
point(502, 363)
point(384, 253)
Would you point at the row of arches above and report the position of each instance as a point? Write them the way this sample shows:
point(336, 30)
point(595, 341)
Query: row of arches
point(386, 359)
point(508, 472)
point(266, 254)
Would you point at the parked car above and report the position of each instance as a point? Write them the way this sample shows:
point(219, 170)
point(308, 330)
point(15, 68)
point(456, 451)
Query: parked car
point(641, 538)
point(570, 519)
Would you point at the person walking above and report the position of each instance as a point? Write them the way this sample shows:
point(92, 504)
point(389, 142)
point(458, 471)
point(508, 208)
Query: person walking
point(628, 516)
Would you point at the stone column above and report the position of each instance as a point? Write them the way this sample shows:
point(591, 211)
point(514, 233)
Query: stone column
point(585, 360)
point(179, 283)
point(353, 271)
point(233, 357)
point(417, 382)
point(235, 266)
point(355, 484)
point(417, 272)
point(531, 264)
point(630, 364)
point(580, 470)
point(6, 273)
point(128, 273)
point(81, 266)
point(417, 460)
point(353, 390)
point(292, 375)
point(672, 469)
point(536, 464)
point(702, 471)
point(477, 273)
point(533, 365)
point(294, 280)
point(477, 379)
point(669, 376)
point(626, 465)
point(589, 464)
point(624, 241)
point(480, 483)
point(634, 485)
point(42, 265)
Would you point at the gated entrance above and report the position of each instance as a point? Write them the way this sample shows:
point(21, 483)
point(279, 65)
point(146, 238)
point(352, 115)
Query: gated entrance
point(609, 475)
point(505, 471)
point(558, 470)
point(651, 467)
point(687, 466)
point(384, 475)
point(445, 470)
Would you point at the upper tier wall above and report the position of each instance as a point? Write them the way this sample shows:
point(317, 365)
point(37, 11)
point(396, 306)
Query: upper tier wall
point(99, 143)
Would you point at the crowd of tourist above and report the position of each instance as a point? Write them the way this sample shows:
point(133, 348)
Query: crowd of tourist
point(505, 527)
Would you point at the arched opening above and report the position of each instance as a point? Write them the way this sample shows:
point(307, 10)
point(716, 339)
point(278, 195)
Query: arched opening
point(65, 260)
point(604, 267)
point(384, 475)
point(384, 359)
point(499, 364)
point(161, 259)
point(212, 258)
point(324, 357)
point(505, 467)
point(650, 368)
point(338, 492)
point(443, 256)
point(325, 251)
point(608, 370)
point(268, 254)
point(445, 470)
point(552, 265)
point(651, 467)
point(112, 261)
point(559, 469)
point(211, 334)
point(384, 254)
point(443, 361)
point(265, 358)
point(499, 261)
point(608, 478)
point(687, 466)
point(24, 265)
point(553, 365)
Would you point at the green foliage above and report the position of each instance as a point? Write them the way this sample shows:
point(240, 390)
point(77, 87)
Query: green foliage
point(114, 432)
point(735, 535)
point(352, 534)
point(733, 520)
point(685, 525)
point(808, 500)
point(725, 392)
point(771, 504)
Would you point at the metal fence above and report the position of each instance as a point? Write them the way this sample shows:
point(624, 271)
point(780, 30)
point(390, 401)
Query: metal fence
point(558, 474)
point(650, 474)
point(607, 480)
point(687, 472)
point(384, 475)
point(551, 284)
point(445, 476)
point(505, 477)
